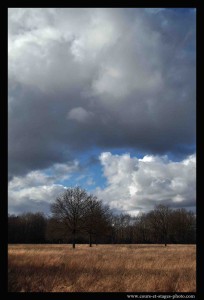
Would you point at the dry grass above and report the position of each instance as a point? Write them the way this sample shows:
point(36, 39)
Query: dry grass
point(102, 268)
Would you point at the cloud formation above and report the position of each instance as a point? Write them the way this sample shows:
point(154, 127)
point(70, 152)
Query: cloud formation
point(132, 184)
point(39, 188)
point(135, 185)
point(98, 77)
point(80, 114)
point(84, 81)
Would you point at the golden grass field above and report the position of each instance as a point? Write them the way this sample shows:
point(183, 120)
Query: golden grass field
point(102, 268)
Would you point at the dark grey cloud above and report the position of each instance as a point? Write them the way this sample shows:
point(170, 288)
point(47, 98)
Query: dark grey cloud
point(82, 78)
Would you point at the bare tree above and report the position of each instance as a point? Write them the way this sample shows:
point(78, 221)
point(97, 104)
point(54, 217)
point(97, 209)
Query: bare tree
point(56, 232)
point(141, 228)
point(69, 210)
point(27, 228)
point(122, 228)
point(97, 218)
point(159, 219)
point(182, 226)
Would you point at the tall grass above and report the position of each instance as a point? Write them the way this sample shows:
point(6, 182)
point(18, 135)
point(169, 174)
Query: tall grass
point(102, 268)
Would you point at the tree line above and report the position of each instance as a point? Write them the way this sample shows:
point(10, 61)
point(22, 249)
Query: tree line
point(79, 217)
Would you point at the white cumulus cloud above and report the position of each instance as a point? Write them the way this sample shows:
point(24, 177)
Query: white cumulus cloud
point(139, 184)
point(37, 189)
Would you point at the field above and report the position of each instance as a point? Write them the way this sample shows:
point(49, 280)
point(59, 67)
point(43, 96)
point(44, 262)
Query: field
point(102, 268)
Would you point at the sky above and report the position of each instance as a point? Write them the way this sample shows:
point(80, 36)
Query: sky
point(105, 99)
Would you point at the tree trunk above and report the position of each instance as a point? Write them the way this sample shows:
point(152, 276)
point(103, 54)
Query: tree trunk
point(90, 240)
point(74, 239)
point(165, 239)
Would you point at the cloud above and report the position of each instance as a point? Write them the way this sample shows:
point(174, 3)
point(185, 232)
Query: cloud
point(38, 189)
point(107, 78)
point(57, 172)
point(132, 184)
point(63, 171)
point(80, 114)
point(90, 181)
point(33, 199)
point(135, 184)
